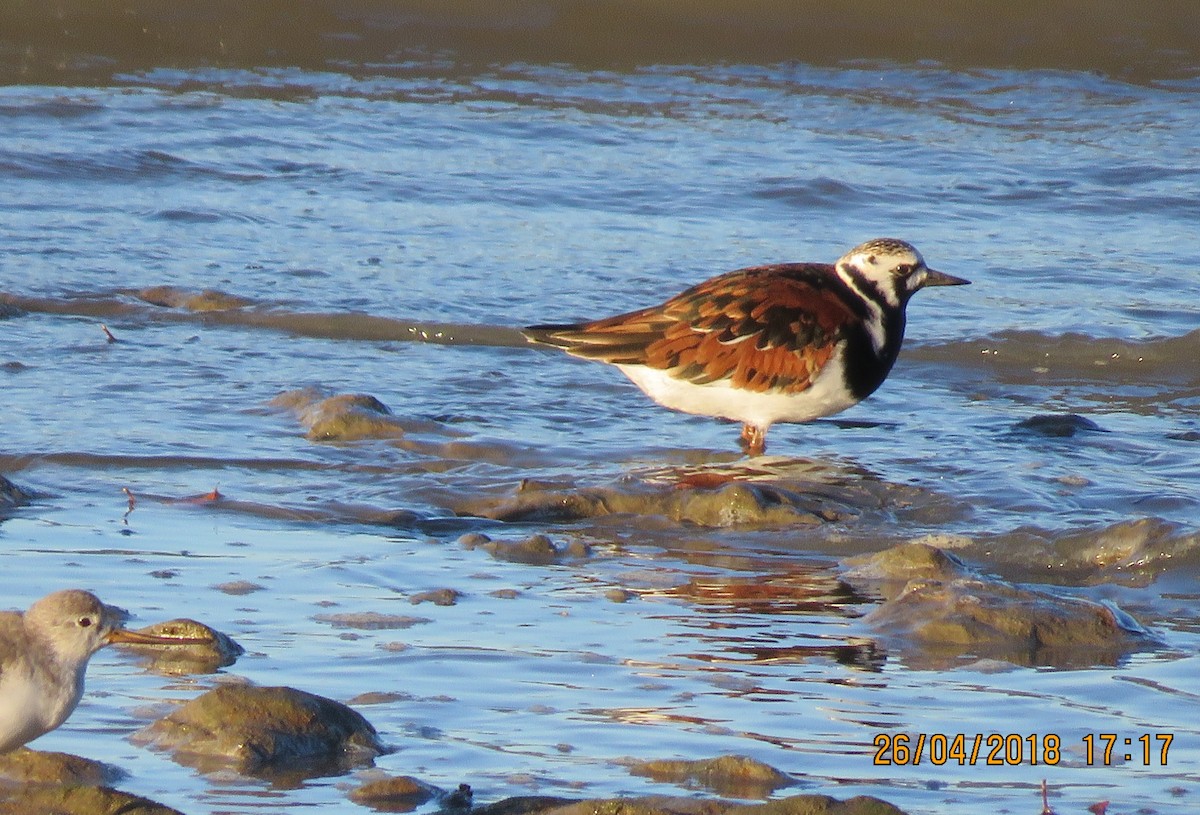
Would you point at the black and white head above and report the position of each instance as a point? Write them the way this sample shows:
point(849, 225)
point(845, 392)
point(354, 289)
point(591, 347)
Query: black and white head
point(890, 271)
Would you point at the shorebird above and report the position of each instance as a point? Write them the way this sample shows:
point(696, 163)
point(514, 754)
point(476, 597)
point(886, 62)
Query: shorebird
point(787, 342)
point(44, 653)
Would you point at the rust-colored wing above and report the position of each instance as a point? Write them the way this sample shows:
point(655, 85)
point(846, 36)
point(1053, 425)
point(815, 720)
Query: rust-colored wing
point(763, 328)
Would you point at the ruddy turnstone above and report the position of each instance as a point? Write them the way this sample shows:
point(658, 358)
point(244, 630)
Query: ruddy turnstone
point(787, 342)
point(44, 653)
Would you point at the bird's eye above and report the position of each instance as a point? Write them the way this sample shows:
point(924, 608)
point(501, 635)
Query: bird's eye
point(904, 269)
point(85, 622)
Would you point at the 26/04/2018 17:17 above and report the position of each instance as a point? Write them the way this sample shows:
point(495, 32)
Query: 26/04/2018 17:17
point(998, 749)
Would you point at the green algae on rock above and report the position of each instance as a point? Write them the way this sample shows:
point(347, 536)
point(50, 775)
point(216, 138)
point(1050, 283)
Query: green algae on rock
point(265, 730)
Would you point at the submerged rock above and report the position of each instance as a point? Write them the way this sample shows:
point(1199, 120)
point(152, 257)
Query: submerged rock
point(370, 620)
point(218, 650)
point(536, 550)
point(1058, 425)
point(1126, 546)
point(937, 610)
point(11, 495)
point(265, 730)
point(439, 597)
point(728, 504)
point(207, 300)
point(405, 793)
point(902, 563)
point(342, 417)
point(996, 620)
point(71, 799)
point(394, 794)
point(735, 776)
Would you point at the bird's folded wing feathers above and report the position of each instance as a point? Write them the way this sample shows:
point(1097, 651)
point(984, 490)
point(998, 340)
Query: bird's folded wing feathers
point(764, 328)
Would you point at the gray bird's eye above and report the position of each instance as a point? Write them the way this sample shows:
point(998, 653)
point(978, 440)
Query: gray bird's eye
point(85, 622)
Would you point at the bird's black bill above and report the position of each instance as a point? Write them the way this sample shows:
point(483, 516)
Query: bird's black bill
point(934, 278)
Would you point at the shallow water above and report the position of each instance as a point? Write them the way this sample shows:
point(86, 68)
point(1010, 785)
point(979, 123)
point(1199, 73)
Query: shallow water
point(386, 224)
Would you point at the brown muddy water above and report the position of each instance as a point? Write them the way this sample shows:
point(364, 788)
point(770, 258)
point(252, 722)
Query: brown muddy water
point(257, 234)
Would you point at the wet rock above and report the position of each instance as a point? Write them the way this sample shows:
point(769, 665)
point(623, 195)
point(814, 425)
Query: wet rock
point(371, 620)
point(894, 567)
point(217, 651)
point(733, 776)
point(819, 805)
point(524, 805)
point(265, 731)
point(439, 597)
point(405, 793)
point(11, 495)
point(660, 805)
point(27, 766)
point(394, 794)
point(239, 588)
point(536, 550)
point(1058, 425)
point(207, 300)
point(729, 504)
point(941, 619)
point(42, 799)
point(1126, 545)
point(342, 417)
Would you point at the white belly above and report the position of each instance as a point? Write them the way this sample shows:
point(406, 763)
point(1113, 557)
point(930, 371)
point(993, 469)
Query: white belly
point(28, 708)
point(827, 395)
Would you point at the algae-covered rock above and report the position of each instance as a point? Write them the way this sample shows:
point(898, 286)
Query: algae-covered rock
point(263, 730)
point(734, 776)
point(27, 766)
point(216, 651)
point(51, 799)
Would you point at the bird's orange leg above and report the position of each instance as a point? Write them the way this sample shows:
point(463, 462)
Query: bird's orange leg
point(754, 439)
